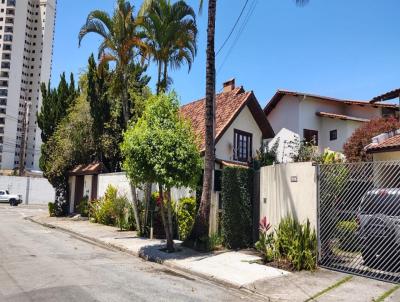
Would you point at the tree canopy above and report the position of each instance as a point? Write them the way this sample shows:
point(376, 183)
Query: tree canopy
point(354, 147)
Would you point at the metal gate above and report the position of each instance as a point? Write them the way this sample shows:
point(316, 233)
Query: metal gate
point(359, 219)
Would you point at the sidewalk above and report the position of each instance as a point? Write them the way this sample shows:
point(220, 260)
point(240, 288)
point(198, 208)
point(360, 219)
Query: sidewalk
point(233, 269)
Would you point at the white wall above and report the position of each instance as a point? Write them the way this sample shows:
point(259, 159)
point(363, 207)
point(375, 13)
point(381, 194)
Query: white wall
point(285, 149)
point(285, 114)
point(121, 182)
point(245, 122)
point(280, 196)
point(33, 190)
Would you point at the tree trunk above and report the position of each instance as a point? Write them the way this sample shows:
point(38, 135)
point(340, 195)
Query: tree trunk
point(169, 212)
point(136, 210)
point(170, 241)
point(159, 78)
point(201, 226)
point(125, 99)
point(165, 76)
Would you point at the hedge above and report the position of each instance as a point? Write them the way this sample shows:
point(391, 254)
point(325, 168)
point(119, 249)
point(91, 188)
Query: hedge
point(236, 220)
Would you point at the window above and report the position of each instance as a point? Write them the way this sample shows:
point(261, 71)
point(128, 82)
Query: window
point(311, 136)
point(333, 135)
point(243, 142)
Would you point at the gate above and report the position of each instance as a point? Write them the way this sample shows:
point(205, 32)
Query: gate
point(359, 219)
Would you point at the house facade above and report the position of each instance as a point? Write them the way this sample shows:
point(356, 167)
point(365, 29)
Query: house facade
point(385, 147)
point(326, 121)
point(240, 129)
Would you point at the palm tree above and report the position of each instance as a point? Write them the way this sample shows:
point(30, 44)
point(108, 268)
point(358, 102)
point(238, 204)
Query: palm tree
point(121, 41)
point(201, 226)
point(121, 44)
point(170, 33)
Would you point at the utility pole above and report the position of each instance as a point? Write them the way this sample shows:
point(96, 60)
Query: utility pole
point(22, 151)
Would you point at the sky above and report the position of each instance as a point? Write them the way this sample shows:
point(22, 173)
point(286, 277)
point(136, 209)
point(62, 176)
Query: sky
point(344, 48)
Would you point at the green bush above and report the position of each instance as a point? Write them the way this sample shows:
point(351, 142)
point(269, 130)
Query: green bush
point(349, 240)
point(83, 207)
point(51, 209)
point(293, 242)
point(186, 212)
point(120, 210)
point(103, 210)
point(236, 219)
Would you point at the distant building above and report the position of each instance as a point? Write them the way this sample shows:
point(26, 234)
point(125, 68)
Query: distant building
point(26, 48)
point(326, 121)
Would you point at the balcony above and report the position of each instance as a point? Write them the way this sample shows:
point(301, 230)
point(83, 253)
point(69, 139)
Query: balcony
point(5, 65)
point(11, 3)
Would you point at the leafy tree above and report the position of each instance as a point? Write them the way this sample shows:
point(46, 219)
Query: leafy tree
point(72, 143)
point(161, 148)
point(170, 33)
point(354, 147)
point(121, 41)
point(55, 103)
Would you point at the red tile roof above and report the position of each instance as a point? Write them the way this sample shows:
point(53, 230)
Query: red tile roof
point(390, 144)
point(228, 106)
point(281, 93)
point(90, 169)
point(342, 117)
point(387, 96)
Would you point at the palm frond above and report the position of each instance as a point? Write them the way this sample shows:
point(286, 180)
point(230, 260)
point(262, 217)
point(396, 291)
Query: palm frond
point(92, 26)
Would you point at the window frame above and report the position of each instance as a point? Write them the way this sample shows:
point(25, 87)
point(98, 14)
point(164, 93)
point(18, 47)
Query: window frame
point(306, 137)
point(237, 155)
point(333, 135)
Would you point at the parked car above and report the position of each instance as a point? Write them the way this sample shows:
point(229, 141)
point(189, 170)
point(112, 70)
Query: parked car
point(13, 200)
point(379, 228)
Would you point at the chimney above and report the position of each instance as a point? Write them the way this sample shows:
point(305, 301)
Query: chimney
point(229, 85)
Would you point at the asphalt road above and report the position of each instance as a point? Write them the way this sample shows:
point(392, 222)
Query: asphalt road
point(42, 264)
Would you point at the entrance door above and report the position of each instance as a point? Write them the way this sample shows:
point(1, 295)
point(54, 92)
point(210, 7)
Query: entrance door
point(79, 183)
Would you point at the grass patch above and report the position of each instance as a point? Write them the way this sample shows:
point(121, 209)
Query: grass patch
point(387, 293)
point(333, 286)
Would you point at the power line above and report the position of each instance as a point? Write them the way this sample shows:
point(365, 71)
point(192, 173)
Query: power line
point(233, 28)
point(241, 30)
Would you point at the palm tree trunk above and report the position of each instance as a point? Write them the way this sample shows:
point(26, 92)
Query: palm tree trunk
point(165, 76)
point(159, 77)
point(201, 226)
point(170, 242)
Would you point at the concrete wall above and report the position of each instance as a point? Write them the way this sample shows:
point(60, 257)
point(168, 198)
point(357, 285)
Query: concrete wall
point(289, 189)
point(33, 190)
point(245, 122)
point(387, 156)
point(121, 182)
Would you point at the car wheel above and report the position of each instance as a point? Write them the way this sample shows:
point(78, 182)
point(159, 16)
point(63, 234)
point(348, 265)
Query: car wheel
point(13, 202)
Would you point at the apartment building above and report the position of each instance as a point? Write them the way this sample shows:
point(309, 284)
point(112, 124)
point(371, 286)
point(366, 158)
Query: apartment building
point(26, 48)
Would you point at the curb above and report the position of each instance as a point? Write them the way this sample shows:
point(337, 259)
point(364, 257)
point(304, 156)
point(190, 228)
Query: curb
point(166, 263)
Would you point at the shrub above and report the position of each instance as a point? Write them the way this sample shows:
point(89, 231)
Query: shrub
point(120, 210)
point(236, 220)
point(83, 207)
point(293, 242)
point(51, 209)
point(354, 147)
point(103, 210)
point(186, 212)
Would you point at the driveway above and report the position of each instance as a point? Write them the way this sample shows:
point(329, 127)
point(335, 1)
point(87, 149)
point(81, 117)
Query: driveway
point(42, 264)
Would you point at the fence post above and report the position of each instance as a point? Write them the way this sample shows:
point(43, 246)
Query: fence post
point(28, 183)
point(317, 171)
point(256, 205)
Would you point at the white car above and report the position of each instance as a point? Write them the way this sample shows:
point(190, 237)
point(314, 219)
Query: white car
point(13, 200)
